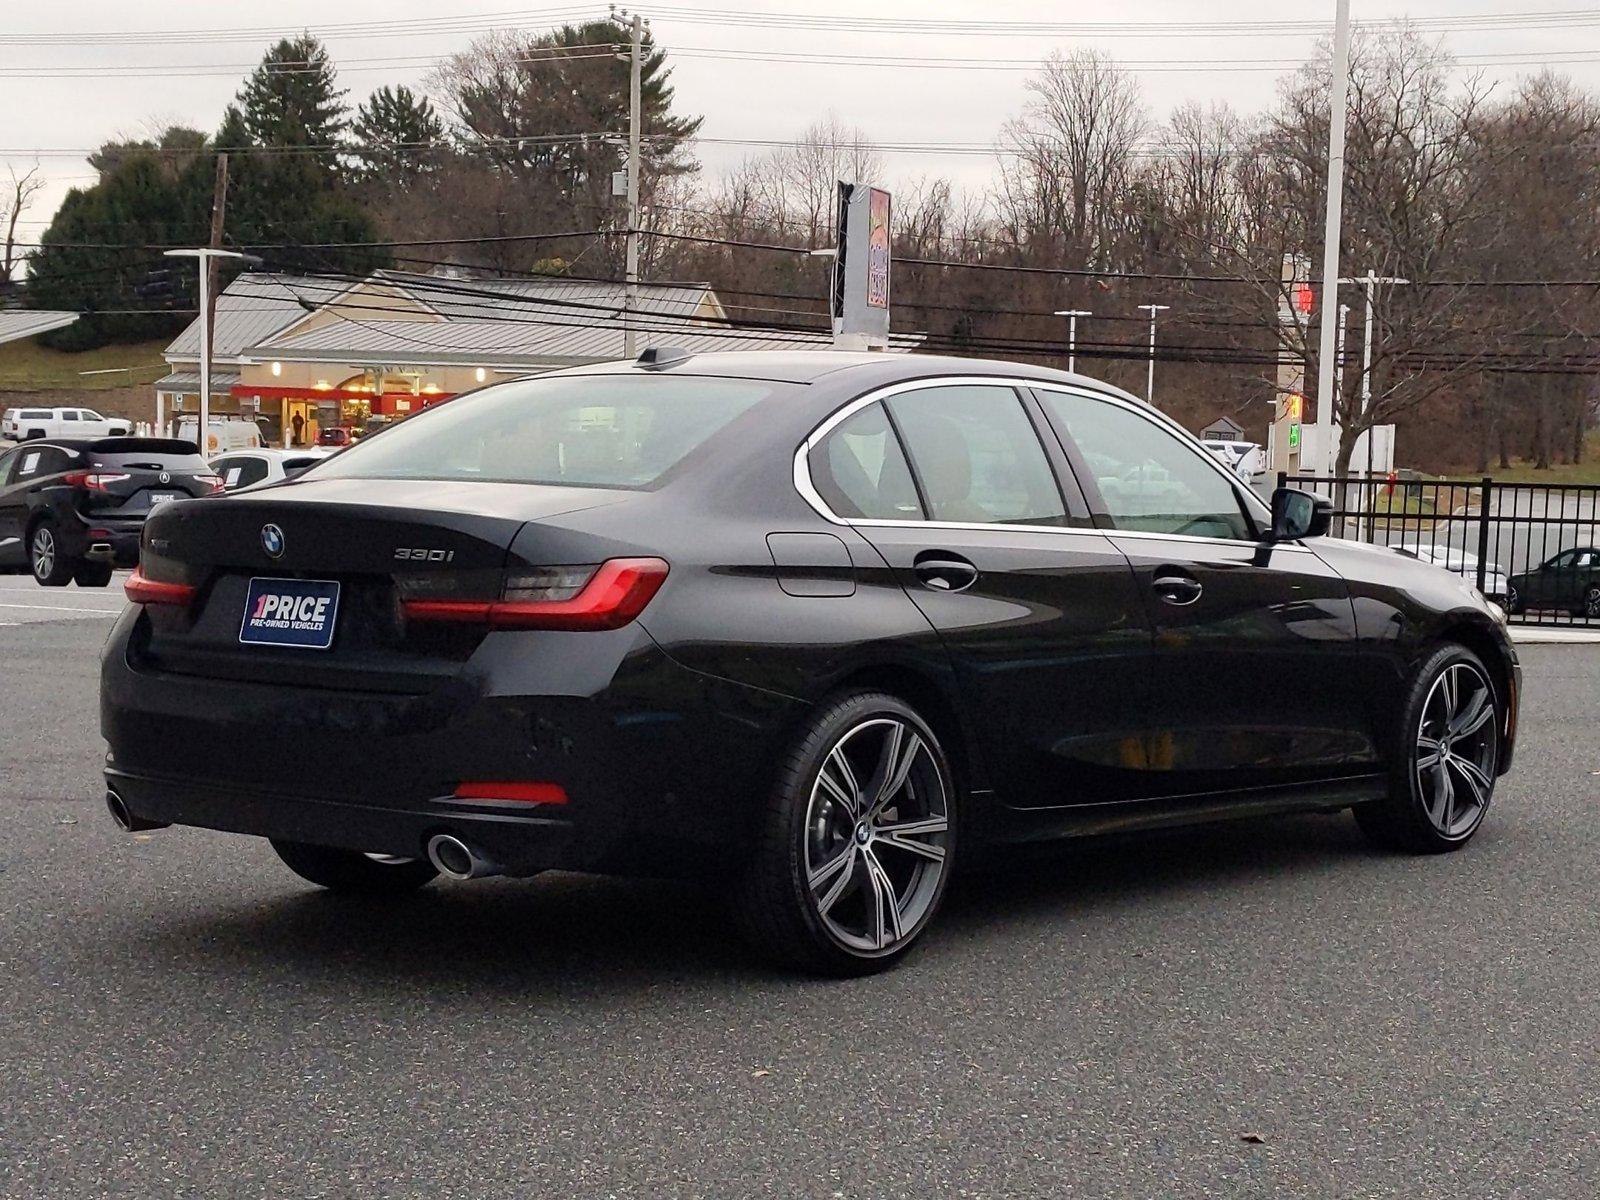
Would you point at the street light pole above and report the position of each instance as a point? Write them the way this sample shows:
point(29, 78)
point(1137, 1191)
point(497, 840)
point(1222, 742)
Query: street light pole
point(1368, 284)
point(1330, 235)
point(1150, 376)
point(206, 255)
point(1072, 315)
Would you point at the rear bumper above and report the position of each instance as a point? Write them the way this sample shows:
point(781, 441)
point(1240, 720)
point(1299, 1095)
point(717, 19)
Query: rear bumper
point(115, 542)
point(663, 767)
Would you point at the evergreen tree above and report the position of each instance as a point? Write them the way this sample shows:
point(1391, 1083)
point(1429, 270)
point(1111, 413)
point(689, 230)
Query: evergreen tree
point(397, 138)
point(293, 98)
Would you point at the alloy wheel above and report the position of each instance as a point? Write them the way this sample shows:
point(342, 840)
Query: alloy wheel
point(1457, 742)
point(877, 835)
point(44, 552)
point(1591, 602)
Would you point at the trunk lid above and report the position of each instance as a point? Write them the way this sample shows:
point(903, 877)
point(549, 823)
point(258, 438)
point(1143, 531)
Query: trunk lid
point(373, 538)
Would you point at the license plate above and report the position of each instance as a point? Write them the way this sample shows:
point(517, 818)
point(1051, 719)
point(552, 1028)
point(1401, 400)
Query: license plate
point(290, 612)
point(161, 497)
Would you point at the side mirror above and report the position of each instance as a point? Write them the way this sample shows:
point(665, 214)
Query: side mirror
point(1299, 514)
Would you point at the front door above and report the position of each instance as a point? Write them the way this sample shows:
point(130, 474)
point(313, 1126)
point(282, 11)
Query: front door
point(1256, 674)
point(1038, 611)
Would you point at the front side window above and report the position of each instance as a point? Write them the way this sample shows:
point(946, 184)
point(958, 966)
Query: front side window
point(623, 431)
point(1150, 479)
point(860, 471)
point(976, 456)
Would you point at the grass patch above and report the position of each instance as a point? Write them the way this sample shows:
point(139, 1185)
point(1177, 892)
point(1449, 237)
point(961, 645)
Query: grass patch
point(26, 366)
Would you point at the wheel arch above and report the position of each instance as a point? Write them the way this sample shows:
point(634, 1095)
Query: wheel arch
point(925, 693)
point(1477, 637)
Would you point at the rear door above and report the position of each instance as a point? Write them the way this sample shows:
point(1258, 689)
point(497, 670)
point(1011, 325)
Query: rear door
point(1257, 676)
point(955, 487)
point(12, 551)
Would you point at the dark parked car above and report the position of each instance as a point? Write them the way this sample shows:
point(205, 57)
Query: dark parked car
point(1570, 580)
point(818, 627)
point(71, 510)
point(334, 435)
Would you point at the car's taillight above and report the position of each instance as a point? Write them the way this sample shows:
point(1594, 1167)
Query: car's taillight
point(212, 483)
point(604, 597)
point(142, 590)
point(94, 481)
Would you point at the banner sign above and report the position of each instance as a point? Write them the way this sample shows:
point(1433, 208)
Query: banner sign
point(861, 270)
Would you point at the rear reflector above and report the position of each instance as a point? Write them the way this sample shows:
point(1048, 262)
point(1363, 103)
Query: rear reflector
point(527, 793)
point(613, 595)
point(141, 590)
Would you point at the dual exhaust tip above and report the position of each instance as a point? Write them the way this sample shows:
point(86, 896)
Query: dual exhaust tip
point(455, 859)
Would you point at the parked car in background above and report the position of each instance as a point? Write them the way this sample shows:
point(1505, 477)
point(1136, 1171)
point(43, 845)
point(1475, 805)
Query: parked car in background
point(245, 468)
point(1247, 460)
point(226, 433)
point(1569, 580)
point(334, 436)
point(1462, 563)
point(72, 510)
point(26, 424)
point(814, 628)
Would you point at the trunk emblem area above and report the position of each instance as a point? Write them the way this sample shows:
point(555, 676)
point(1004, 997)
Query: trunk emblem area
point(272, 541)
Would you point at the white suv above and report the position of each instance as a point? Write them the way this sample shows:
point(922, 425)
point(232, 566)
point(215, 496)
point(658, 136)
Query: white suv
point(24, 424)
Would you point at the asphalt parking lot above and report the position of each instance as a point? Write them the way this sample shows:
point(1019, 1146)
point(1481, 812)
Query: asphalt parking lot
point(1264, 1009)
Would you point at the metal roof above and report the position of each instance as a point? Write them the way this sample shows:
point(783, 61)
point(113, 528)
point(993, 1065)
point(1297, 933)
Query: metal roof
point(251, 309)
point(513, 342)
point(186, 382)
point(18, 323)
point(470, 299)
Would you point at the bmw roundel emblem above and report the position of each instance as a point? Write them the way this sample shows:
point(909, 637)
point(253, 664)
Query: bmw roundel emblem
point(272, 541)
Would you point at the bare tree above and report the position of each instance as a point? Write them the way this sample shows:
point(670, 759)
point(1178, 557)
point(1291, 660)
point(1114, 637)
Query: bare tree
point(19, 197)
point(1068, 159)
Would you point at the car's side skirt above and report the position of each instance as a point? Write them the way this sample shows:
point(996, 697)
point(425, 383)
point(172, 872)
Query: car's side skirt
point(1010, 825)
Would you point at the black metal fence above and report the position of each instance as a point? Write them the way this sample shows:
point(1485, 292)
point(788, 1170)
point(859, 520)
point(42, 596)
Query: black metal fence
point(1532, 548)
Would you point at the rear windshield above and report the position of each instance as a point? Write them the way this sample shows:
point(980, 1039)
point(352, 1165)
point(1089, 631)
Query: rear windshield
point(623, 431)
point(144, 445)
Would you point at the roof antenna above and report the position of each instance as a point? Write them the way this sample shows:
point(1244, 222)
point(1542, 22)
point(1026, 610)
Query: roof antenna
point(658, 358)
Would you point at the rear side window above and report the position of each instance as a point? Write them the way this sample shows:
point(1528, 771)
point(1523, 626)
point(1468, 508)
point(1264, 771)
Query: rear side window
point(860, 471)
point(248, 470)
point(976, 456)
point(69, 414)
point(47, 460)
point(1149, 478)
point(623, 431)
point(36, 414)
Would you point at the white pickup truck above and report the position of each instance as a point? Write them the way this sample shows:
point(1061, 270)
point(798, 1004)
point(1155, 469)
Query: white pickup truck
point(25, 424)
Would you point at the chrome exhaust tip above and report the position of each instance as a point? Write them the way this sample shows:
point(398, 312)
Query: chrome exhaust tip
point(454, 859)
point(125, 820)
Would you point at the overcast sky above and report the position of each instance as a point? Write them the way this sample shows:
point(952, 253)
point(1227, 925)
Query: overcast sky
point(739, 99)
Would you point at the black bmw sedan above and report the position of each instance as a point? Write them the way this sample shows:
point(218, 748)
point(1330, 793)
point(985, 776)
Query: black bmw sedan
point(820, 627)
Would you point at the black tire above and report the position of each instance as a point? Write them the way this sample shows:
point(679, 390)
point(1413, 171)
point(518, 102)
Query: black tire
point(791, 907)
point(1514, 603)
point(352, 872)
point(50, 567)
point(92, 574)
point(1421, 815)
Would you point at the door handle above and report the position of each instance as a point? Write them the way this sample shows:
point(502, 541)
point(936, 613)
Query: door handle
point(1181, 590)
point(944, 572)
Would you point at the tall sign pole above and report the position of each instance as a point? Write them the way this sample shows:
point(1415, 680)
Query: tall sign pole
point(631, 305)
point(1325, 455)
point(1072, 315)
point(210, 281)
point(1294, 297)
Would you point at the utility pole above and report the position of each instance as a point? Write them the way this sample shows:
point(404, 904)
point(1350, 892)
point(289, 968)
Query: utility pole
point(207, 257)
point(1330, 236)
point(1150, 376)
point(631, 304)
point(1072, 315)
point(219, 209)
